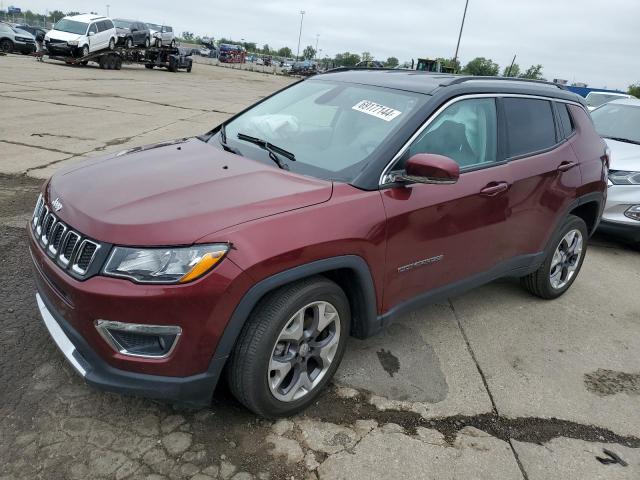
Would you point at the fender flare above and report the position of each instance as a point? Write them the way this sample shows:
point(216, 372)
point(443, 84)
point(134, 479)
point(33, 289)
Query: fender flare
point(246, 305)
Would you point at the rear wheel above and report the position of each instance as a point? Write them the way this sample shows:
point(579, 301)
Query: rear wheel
point(147, 42)
point(6, 45)
point(128, 43)
point(173, 44)
point(290, 347)
point(158, 42)
point(562, 264)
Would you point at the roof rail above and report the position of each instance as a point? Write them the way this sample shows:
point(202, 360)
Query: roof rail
point(458, 80)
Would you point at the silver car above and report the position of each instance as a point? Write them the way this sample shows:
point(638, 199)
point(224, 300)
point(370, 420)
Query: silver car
point(618, 122)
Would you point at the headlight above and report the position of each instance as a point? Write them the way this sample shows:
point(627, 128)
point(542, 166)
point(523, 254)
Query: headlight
point(633, 212)
point(22, 39)
point(73, 43)
point(164, 265)
point(620, 177)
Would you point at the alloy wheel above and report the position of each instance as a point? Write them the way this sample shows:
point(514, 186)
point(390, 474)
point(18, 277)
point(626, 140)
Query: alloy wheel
point(566, 259)
point(304, 351)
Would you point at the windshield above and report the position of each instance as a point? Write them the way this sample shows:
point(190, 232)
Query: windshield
point(122, 23)
point(333, 129)
point(618, 121)
point(597, 99)
point(71, 26)
point(155, 27)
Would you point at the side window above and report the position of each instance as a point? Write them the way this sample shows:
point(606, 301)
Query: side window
point(101, 26)
point(530, 125)
point(566, 122)
point(169, 29)
point(93, 28)
point(109, 24)
point(466, 131)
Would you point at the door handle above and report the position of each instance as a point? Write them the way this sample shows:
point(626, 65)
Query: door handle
point(492, 190)
point(566, 166)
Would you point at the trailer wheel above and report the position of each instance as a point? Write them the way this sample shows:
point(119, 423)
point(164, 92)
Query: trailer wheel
point(118, 65)
point(85, 63)
point(149, 66)
point(189, 69)
point(102, 61)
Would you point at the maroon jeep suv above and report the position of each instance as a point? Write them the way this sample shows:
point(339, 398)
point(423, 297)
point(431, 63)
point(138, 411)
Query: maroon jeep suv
point(326, 210)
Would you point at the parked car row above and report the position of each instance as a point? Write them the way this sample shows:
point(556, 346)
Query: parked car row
point(13, 39)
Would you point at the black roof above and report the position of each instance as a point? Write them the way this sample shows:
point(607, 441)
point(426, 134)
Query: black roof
point(428, 83)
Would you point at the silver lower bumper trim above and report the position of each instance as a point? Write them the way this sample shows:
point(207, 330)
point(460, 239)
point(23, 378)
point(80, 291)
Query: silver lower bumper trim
point(58, 335)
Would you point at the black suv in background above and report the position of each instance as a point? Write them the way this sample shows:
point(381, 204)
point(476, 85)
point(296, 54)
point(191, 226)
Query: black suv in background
point(132, 33)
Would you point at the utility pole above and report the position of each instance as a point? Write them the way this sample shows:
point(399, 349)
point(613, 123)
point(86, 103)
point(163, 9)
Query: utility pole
point(317, 40)
point(302, 12)
point(464, 15)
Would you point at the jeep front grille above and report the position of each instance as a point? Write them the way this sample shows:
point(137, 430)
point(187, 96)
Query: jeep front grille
point(72, 251)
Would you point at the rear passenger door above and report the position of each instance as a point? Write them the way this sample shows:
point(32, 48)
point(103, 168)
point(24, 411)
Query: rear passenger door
point(544, 169)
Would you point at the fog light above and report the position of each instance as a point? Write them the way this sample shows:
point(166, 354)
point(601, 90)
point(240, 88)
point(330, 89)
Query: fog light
point(633, 213)
point(139, 340)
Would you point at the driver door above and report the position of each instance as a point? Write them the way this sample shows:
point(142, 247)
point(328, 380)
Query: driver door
point(438, 235)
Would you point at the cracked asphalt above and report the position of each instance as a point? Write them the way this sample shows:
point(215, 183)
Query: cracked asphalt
point(492, 384)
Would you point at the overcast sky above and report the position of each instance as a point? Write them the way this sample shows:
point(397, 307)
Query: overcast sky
point(578, 40)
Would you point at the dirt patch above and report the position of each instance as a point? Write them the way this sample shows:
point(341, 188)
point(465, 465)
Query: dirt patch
point(610, 382)
point(345, 411)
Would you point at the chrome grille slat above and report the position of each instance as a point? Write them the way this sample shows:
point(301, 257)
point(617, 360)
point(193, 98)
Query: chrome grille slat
point(72, 251)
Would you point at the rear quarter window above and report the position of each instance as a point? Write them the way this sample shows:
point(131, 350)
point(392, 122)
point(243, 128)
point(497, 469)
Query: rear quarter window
point(566, 122)
point(530, 126)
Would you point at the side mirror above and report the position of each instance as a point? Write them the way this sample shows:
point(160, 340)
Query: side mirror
point(429, 168)
point(91, 34)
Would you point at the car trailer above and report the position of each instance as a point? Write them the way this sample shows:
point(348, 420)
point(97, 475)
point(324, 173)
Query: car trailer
point(162, 57)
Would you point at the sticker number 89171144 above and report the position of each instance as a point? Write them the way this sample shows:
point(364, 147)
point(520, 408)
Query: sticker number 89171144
point(376, 110)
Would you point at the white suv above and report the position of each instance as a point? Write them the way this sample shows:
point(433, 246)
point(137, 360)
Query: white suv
point(80, 35)
point(161, 35)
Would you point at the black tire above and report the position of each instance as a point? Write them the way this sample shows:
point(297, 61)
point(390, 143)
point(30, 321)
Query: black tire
point(128, 43)
point(150, 67)
point(84, 51)
point(539, 282)
point(85, 63)
point(158, 42)
point(112, 44)
point(102, 62)
point(173, 44)
point(247, 369)
point(111, 62)
point(6, 45)
point(118, 63)
point(147, 42)
point(189, 69)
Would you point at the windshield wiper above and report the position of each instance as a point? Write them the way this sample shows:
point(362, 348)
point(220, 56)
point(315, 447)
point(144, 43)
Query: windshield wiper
point(625, 140)
point(273, 150)
point(223, 140)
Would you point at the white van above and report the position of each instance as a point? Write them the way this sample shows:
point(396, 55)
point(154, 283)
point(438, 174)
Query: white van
point(80, 35)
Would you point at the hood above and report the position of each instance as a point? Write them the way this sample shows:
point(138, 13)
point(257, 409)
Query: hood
point(624, 156)
point(65, 36)
point(175, 193)
point(123, 30)
point(23, 33)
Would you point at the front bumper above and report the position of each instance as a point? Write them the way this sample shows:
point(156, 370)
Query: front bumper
point(614, 221)
point(60, 49)
point(25, 47)
point(195, 390)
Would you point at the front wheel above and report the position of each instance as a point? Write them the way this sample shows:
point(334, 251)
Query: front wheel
point(6, 45)
point(147, 43)
point(112, 44)
point(562, 264)
point(128, 43)
point(290, 347)
point(85, 51)
point(173, 44)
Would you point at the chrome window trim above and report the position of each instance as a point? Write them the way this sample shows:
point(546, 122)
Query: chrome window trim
point(78, 253)
point(103, 327)
point(385, 179)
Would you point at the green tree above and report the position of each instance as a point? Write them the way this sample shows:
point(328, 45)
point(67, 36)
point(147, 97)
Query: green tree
point(285, 52)
point(266, 49)
point(448, 62)
point(392, 62)
point(346, 59)
point(511, 71)
point(309, 53)
point(56, 15)
point(534, 72)
point(481, 66)
point(635, 90)
point(366, 57)
point(188, 36)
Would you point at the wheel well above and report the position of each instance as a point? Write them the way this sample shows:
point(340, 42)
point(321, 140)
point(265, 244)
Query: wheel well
point(589, 213)
point(350, 282)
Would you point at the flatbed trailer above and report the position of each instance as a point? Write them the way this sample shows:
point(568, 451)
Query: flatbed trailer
point(161, 57)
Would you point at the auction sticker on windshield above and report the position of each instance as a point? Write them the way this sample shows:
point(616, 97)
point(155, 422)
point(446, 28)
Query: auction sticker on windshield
point(376, 110)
